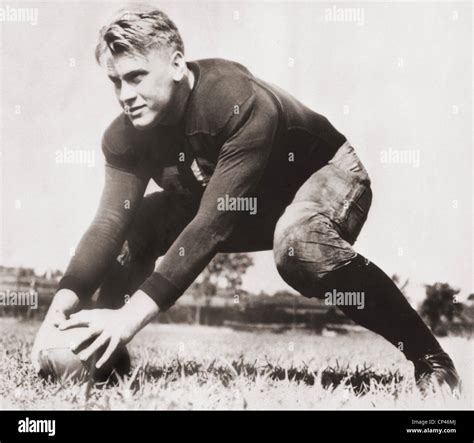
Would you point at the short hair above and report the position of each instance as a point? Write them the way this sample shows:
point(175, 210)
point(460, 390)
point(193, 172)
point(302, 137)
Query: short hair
point(137, 30)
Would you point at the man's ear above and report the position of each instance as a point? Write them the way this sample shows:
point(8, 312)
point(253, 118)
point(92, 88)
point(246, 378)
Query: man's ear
point(178, 65)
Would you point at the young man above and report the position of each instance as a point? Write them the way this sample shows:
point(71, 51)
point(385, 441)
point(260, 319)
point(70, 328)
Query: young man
point(220, 141)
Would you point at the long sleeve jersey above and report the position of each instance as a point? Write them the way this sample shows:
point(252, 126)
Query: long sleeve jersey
point(239, 137)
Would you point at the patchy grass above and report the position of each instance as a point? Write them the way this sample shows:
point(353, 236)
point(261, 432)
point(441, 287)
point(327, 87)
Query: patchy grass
point(195, 367)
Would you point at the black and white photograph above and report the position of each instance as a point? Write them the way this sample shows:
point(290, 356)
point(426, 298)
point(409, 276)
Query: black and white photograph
point(236, 206)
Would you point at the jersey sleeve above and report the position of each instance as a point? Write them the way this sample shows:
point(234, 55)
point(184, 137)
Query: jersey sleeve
point(124, 187)
point(241, 162)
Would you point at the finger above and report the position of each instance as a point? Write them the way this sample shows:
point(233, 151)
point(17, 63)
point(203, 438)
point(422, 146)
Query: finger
point(108, 352)
point(79, 342)
point(84, 314)
point(73, 323)
point(81, 318)
point(101, 340)
point(58, 318)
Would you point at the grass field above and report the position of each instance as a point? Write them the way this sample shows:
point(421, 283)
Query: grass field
point(196, 367)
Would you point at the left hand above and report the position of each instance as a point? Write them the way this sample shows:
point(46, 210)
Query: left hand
point(109, 327)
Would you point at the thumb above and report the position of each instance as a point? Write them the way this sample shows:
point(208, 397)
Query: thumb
point(58, 317)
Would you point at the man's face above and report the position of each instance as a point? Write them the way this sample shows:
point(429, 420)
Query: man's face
point(144, 86)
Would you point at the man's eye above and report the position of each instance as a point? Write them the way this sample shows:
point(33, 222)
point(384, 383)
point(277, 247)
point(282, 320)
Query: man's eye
point(137, 79)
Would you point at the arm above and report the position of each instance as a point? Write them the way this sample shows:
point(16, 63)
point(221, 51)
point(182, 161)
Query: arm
point(241, 163)
point(101, 243)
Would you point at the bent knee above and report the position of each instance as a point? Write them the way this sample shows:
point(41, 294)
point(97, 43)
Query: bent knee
point(306, 250)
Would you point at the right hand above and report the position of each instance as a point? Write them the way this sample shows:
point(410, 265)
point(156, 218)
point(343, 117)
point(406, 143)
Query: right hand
point(64, 303)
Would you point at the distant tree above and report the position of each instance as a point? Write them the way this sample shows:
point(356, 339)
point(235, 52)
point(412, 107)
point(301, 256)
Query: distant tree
point(25, 272)
point(57, 274)
point(440, 307)
point(224, 270)
point(402, 286)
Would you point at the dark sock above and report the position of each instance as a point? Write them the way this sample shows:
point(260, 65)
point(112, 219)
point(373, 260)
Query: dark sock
point(386, 311)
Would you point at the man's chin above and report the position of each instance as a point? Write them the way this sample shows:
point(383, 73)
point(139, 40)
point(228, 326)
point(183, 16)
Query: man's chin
point(142, 124)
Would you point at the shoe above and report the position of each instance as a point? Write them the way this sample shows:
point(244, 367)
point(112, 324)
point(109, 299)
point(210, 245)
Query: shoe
point(432, 369)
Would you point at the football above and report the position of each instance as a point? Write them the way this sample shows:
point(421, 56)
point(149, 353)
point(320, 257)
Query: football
point(56, 361)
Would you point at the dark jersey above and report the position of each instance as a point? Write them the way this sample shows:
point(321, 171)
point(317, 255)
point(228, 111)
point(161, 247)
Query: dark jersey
point(240, 137)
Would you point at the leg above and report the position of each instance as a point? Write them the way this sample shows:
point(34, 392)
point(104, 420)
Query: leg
point(313, 253)
point(159, 221)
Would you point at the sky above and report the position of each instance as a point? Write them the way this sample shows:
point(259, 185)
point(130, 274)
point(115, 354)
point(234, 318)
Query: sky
point(394, 78)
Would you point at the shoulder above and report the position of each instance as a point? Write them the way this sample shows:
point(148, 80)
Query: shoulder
point(123, 145)
point(222, 88)
point(120, 136)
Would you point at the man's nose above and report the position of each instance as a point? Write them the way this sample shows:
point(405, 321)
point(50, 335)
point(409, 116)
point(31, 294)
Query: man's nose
point(127, 94)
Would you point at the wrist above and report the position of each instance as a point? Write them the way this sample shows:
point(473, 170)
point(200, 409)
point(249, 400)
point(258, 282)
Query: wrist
point(139, 311)
point(65, 301)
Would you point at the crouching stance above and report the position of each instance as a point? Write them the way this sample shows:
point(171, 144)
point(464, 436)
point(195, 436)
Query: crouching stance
point(214, 138)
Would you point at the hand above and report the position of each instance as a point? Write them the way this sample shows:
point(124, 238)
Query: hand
point(64, 302)
point(109, 327)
